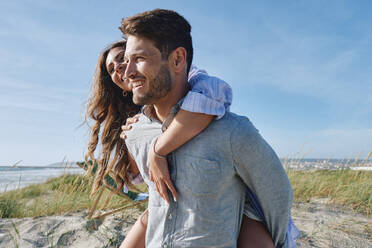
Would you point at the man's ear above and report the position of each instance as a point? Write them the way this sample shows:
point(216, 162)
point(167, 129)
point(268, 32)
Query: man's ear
point(177, 59)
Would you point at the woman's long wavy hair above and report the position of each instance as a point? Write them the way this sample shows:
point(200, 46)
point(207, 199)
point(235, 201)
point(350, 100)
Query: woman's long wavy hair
point(108, 108)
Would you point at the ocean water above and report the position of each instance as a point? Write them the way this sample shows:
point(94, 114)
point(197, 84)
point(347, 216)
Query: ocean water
point(17, 177)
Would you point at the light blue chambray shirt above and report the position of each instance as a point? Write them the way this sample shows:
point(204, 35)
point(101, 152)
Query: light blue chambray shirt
point(211, 173)
point(213, 96)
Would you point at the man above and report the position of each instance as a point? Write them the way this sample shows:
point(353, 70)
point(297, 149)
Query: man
point(212, 170)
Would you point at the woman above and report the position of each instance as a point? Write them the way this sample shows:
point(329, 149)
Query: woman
point(109, 105)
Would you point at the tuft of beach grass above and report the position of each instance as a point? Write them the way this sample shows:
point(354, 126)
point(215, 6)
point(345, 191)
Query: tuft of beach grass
point(344, 187)
point(64, 194)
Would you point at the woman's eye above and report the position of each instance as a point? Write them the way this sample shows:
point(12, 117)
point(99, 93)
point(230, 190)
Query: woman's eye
point(111, 70)
point(121, 58)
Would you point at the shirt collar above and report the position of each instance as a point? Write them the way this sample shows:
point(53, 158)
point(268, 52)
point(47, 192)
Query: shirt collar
point(149, 112)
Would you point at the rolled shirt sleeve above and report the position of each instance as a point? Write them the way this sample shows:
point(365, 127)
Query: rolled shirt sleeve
point(208, 95)
point(261, 170)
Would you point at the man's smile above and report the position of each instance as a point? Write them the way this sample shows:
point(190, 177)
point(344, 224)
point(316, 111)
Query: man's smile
point(137, 87)
point(137, 84)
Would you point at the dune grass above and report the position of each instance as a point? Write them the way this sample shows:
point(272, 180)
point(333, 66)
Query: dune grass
point(70, 193)
point(345, 187)
point(64, 194)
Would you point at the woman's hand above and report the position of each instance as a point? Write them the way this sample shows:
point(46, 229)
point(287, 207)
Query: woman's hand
point(128, 125)
point(159, 174)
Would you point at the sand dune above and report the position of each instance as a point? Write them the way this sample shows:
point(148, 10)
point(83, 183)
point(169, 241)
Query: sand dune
point(321, 225)
point(326, 225)
point(73, 230)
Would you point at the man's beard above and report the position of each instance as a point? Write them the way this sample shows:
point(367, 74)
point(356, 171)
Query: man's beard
point(158, 88)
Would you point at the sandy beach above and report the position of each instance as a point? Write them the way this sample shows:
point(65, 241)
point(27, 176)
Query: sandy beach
point(325, 225)
point(70, 230)
point(321, 224)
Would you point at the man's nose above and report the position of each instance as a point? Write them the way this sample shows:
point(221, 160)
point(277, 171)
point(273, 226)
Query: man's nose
point(130, 71)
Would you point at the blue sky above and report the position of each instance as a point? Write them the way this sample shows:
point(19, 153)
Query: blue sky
point(300, 70)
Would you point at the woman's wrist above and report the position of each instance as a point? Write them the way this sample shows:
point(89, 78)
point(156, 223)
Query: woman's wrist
point(156, 152)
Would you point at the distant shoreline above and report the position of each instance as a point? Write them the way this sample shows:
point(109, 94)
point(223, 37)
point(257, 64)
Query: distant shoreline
point(52, 165)
point(15, 177)
point(41, 167)
point(283, 160)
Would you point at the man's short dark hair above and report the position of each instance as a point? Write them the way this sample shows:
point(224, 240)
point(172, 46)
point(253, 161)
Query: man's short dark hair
point(166, 28)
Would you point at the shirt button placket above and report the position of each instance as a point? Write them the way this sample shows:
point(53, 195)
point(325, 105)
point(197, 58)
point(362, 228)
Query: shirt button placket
point(170, 220)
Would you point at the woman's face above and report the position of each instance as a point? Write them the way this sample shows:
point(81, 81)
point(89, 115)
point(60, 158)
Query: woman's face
point(116, 68)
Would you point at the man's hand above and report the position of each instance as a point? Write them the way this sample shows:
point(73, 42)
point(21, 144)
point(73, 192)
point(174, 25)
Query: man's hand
point(159, 174)
point(128, 125)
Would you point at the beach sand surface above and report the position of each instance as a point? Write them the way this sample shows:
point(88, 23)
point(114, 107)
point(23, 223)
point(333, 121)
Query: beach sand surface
point(69, 230)
point(321, 223)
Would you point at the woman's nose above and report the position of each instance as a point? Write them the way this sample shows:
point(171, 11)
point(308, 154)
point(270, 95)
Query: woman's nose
point(120, 68)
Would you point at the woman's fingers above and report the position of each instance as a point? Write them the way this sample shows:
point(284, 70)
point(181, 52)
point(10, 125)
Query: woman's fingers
point(122, 135)
point(159, 174)
point(133, 119)
point(126, 127)
point(163, 191)
point(170, 186)
point(130, 121)
point(162, 187)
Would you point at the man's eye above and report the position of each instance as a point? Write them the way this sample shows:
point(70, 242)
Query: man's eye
point(140, 58)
